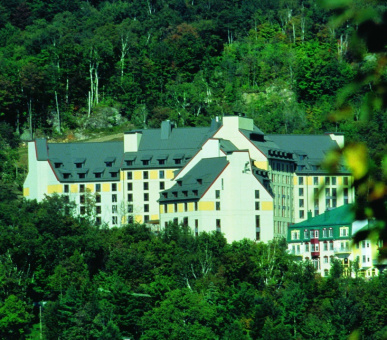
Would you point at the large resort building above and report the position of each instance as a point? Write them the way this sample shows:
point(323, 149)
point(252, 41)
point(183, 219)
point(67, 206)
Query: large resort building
point(229, 177)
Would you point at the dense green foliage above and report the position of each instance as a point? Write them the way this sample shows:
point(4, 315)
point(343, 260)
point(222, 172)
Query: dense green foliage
point(94, 283)
point(281, 62)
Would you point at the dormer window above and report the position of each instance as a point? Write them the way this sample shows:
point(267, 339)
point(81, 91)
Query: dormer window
point(145, 159)
point(79, 162)
point(179, 183)
point(195, 192)
point(66, 176)
point(165, 195)
point(161, 159)
point(109, 161)
point(57, 165)
point(178, 157)
point(174, 194)
point(199, 181)
point(185, 193)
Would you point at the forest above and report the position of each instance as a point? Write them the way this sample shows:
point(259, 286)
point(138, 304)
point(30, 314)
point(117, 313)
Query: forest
point(62, 277)
point(294, 66)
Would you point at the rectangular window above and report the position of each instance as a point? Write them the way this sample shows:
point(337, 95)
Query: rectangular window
point(315, 180)
point(129, 175)
point(82, 199)
point(114, 209)
point(162, 185)
point(114, 186)
point(83, 210)
point(330, 245)
point(98, 209)
point(146, 207)
point(196, 228)
point(161, 174)
point(145, 162)
point(300, 180)
point(306, 233)
point(301, 203)
point(98, 187)
point(257, 206)
point(327, 181)
point(345, 180)
point(306, 247)
point(217, 194)
point(98, 175)
point(301, 192)
point(146, 197)
point(330, 232)
point(130, 186)
point(185, 221)
point(334, 180)
point(145, 174)
point(146, 218)
point(325, 246)
point(196, 206)
point(257, 194)
point(81, 188)
point(185, 206)
point(217, 205)
point(301, 213)
point(114, 198)
point(218, 225)
point(130, 197)
point(114, 220)
point(97, 198)
point(66, 188)
point(161, 161)
point(146, 186)
point(324, 232)
point(175, 207)
point(130, 208)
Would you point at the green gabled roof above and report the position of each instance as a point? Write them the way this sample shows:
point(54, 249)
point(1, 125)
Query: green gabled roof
point(181, 142)
point(92, 156)
point(344, 215)
point(196, 182)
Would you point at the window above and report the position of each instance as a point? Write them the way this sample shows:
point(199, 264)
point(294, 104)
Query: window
point(185, 193)
point(218, 225)
point(301, 192)
point(325, 246)
point(316, 232)
point(146, 207)
point(196, 206)
point(146, 218)
point(81, 188)
point(330, 232)
point(98, 175)
point(327, 181)
point(295, 234)
point(146, 197)
point(364, 259)
point(130, 186)
point(217, 194)
point(66, 176)
point(66, 188)
point(345, 180)
point(114, 220)
point(325, 259)
point(98, 209)
point(98, 220)
point(301, 203)
point(315, 180)
point(114, 186)
point(311, 233)
point(343, 232)
point(145, 174)
point(185, 206)
point(161, 161)
point(83, 210)
point(257, 194)
point(129, 163)
point(114, 174)
point(301, 214)
point(300, 180)
point(145, 162)
point(257, 206)
point(307, 247)
point(146, 186)
point(196, 228)
point(331, 245)
point(82, 175)
point(185, 221)
point(175, 207)
point(97, 198)
point(109, 164)
point(129, 175)
point(217, 205)
point(161, 174)
point(114, 209)
point(306, 233)
point(114, 198)
point(333, 180)
point(98, 187)
point(177, 161)
point(324, 232)
point(130, 208)
point(162, 185)
point(130, 197)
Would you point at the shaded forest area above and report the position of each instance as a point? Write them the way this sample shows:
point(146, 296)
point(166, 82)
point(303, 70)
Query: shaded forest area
point(281, 62)
point(64, 278)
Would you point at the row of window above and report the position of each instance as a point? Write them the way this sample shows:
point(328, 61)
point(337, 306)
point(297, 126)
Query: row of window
point(295, 234)
point(332, 180)
point(145, 175)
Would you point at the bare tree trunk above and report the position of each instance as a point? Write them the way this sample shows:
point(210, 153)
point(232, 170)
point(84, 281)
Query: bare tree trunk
point(29, 104)
point(96, 83)
point(57, 111)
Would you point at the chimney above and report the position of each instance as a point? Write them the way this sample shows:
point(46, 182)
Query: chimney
point(166, 129)
point(132, 141)
point(338, 138)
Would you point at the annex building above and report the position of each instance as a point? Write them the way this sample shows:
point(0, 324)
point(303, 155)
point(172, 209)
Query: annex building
point(322, 238)
point(228, 177)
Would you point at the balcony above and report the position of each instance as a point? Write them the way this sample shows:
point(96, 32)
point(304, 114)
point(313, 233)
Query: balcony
point(340, 250)
point(315, 253)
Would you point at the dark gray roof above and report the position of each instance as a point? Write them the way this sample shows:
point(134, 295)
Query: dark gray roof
point(92, 156)
point(196, 182)
point(174, 149)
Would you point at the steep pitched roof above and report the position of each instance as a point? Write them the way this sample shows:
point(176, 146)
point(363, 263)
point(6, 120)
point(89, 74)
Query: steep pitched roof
point(197, 181)
point(181, 143)
point(70, 160)
point(342, 216)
